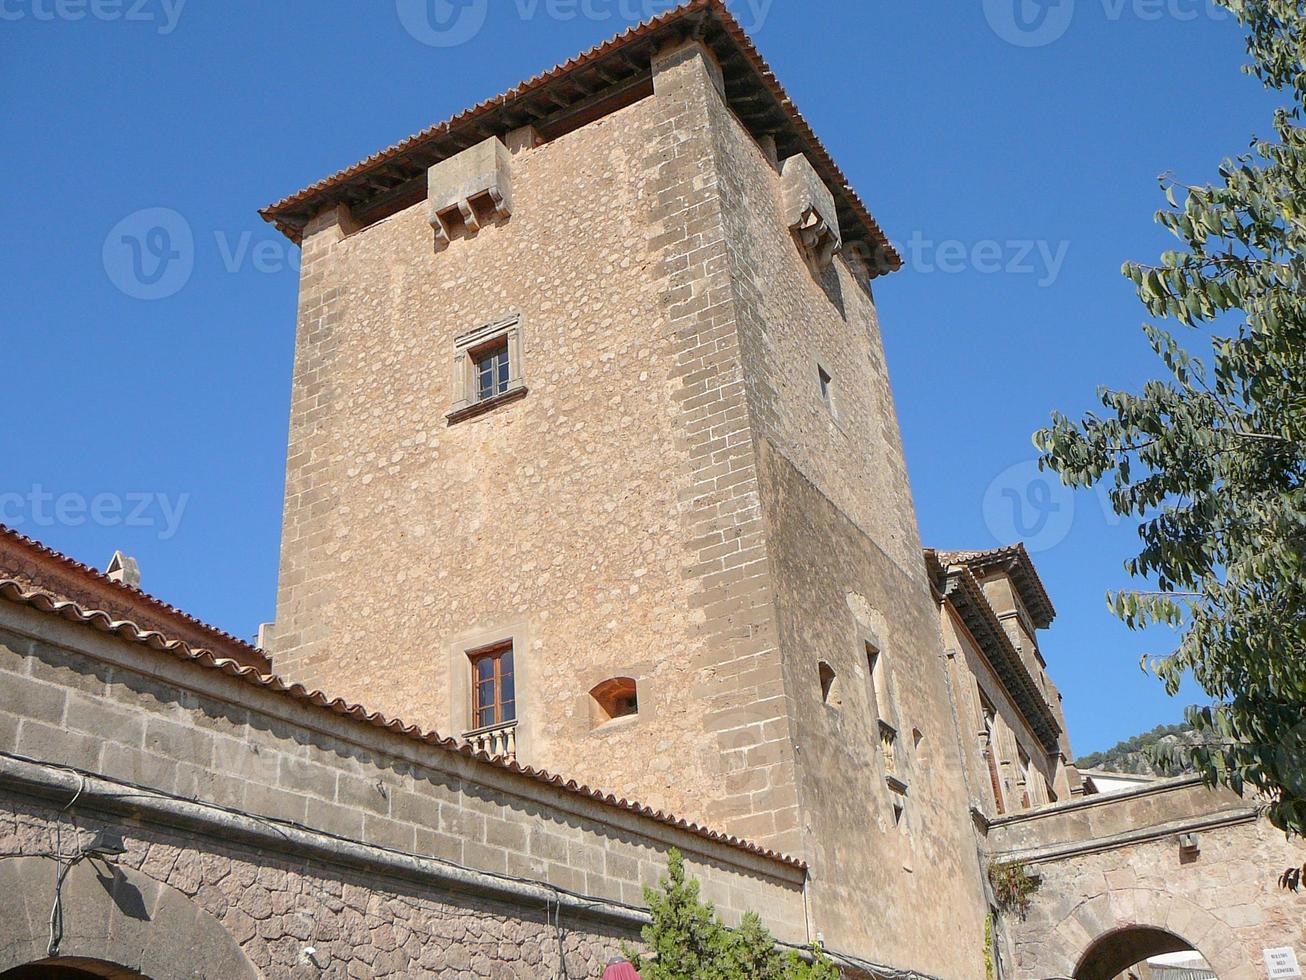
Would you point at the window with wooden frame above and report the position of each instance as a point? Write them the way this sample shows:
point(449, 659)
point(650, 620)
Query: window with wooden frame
point(494, 687)
point(492, 367)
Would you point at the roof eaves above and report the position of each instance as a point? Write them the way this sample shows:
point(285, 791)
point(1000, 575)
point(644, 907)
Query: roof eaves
point(291, 213)
point(967, 595)
point(1023, 573)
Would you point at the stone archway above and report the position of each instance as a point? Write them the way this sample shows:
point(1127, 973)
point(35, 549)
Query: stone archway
point(1100, 930)
point(1117, 951)
point(70, 969)
point(112, 915)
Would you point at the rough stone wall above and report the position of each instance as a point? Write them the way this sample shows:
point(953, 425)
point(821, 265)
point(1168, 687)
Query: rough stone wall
point(875, 885)
point(741, 677)
point(358, 925)
point(604, 520)
point(844, 559)
point(1114, 862)
point(77, 698)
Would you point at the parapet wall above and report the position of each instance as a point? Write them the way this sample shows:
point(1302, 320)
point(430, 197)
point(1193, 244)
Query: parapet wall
point(175, 731)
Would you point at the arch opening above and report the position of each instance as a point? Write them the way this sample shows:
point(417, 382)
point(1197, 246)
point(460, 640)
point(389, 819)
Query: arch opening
point(71, 969)
point(1117, 952)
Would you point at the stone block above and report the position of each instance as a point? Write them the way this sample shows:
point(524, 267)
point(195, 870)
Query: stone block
point(179, 741)
point(59, 746)
point(27, 698)
point(809, 211)
point(95, 716)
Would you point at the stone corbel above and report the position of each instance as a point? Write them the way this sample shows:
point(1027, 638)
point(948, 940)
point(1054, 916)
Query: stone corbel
point(810, 213)
point(479, 174)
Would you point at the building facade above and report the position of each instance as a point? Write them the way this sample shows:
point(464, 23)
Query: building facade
point(598, 543)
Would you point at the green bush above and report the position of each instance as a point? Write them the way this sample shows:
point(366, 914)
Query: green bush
point(688, 941)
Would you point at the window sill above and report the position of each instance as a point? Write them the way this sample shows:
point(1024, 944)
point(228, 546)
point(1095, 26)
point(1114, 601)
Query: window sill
point(471, 411)
point(614, 725)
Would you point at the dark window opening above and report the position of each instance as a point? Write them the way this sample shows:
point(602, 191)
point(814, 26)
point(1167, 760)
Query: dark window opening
point(494, 694)
point(492, 371)
point(827, 387)
point(829, 692)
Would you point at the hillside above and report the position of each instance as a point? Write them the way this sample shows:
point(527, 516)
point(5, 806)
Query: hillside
point(1133, 755)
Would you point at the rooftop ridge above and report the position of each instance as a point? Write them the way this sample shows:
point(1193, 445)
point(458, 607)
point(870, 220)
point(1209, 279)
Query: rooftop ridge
point(400, 164)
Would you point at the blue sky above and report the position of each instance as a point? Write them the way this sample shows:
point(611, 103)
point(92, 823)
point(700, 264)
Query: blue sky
point(1014, 160)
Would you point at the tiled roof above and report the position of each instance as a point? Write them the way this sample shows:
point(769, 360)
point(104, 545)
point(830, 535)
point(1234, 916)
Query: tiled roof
point(1014, 559)
point(579, 89)
point(956, 582)
point(27, 560)
point(24, 593)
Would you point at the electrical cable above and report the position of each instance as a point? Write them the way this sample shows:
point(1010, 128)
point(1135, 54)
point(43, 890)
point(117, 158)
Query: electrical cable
point(62, 869)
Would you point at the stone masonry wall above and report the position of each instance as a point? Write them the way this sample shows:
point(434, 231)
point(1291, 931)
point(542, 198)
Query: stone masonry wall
point(1110, 863)
point(843, 562)
point(605, 520)
point(740, 675)
point(276, 908)
point(971, 673)
point(78, 698)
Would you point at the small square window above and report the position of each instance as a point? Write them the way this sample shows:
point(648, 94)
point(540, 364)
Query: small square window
point(487, 369)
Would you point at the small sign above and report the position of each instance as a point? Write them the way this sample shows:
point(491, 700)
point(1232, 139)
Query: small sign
point(1282, 964)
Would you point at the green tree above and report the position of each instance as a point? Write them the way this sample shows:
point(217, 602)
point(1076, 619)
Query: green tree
point(687, 940)
point(1211, 459)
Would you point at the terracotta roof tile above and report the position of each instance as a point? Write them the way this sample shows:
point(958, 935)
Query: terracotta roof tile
point(28, 560)
point(292, 213)
point(41, 600)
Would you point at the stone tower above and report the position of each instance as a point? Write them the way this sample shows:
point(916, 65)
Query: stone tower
point(591, 375)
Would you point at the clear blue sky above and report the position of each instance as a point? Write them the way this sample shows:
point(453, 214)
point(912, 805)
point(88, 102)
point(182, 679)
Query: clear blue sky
point(1017, 177)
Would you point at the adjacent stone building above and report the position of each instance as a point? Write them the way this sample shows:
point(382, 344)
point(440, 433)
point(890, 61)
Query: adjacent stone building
point(595, 481)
